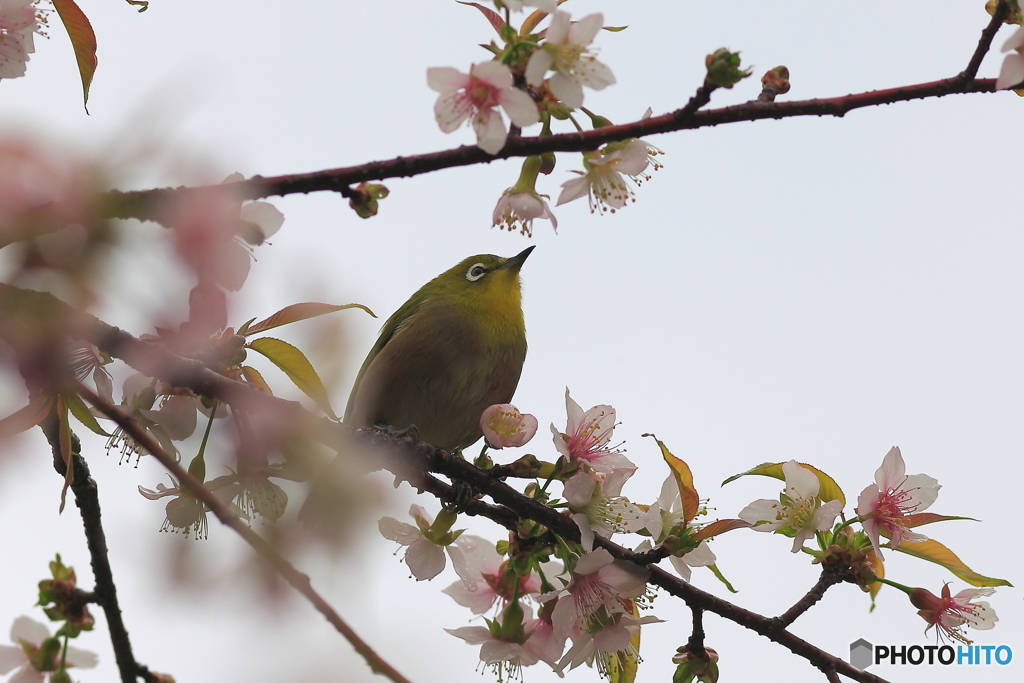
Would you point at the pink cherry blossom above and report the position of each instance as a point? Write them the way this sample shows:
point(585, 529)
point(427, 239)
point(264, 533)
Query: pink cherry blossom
point(587, 435)
point(884, 505)
point(799, 512)
point(516, 210)
point(949, 614)
point(487, 581)
point(505, 427)
point(602, 182)
point(565, 51)
point(476, 96)
point(596, 497)
point(18, 23)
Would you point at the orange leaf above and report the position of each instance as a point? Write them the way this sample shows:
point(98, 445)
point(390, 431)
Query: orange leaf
point(928, 517)
point(684, 481)
point(719, 527)
point(83, 40)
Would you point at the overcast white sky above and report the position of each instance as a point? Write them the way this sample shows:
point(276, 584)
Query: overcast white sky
point(818, 289)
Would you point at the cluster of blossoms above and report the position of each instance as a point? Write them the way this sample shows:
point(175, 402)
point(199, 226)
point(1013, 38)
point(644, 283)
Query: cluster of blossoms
point(887, 510)
point(563, 603)
point(536, 77)
point(552, 600)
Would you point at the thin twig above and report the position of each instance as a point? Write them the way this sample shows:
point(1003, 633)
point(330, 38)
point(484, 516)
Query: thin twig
point(696, 641)
point(985, 42)
point(296, 579)
point(826, 580)
point(105, 594)
point(148, 204)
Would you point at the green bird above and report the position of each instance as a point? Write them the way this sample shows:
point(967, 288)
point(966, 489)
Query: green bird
point(453, 349)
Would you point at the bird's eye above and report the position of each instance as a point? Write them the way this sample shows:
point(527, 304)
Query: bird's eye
point(475, 272)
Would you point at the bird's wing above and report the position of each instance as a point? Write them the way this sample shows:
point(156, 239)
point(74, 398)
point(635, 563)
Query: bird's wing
point(392, 326)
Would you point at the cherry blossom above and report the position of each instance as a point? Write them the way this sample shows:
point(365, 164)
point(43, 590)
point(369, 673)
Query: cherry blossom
point(950, 614)
point(799, 513)
point(505, 427)
point(1012, 71)
point(18, 23)
point(597, 498)
point(602, 182)
point(883, 506)
point(426, 543)
point(185, 513)
point(487, 580)
point(517, 209)
point(37, 654)
point(502, 641)
point(565, 52)
point(587, 435)
point(475, 96)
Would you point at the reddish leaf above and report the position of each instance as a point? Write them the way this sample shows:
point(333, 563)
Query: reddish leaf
point(295, 313)
point(719, 527)
point(928, 517)
point(496, 21)
point(83, 40)
point(26, 418)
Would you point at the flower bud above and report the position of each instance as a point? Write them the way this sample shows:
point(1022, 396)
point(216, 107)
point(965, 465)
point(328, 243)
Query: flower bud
point(777, 79)
point(724, 68)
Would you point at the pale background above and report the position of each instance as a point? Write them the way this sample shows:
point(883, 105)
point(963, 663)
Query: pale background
point(819, 289)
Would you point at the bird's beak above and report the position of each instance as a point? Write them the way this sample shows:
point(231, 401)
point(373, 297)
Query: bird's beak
point(516, 262)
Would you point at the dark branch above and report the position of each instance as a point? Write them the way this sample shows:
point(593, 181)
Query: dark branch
point(985, 42)
point(147, 204)
point(105, 594)
point(696, 641)
point(826, 580)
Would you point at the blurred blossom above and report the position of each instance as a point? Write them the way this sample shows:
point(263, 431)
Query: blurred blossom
point(38, 654)
point(488, 579)
point(185, 513)
point(476, 96)
point(565, 51)
point(1012, 71)
point(517, 5)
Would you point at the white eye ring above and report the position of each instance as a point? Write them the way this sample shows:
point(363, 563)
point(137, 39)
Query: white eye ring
point(475, 272)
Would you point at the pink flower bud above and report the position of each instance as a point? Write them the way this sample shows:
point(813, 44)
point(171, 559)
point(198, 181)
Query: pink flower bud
point(505, 427)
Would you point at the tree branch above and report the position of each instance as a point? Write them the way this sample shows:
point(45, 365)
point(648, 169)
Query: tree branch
point(296, 579)
point(826, 580)
point(105, 594)
point(1000, 14)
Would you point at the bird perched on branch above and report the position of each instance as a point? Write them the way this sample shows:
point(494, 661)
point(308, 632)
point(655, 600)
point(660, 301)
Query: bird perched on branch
point(456, 347)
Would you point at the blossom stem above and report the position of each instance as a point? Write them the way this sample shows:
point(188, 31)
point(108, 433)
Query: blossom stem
point(905, 589)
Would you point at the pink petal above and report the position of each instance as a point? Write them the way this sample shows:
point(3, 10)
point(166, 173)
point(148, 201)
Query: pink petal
point(29, 631)
point(11, 658)
point(446, 79)
point(82, 658)
point(493, 73)
point(559, 28)
point(583, 31)
point(537, 67)
point(451, 109)
point(519, 106)
point(892, 472)
point(425, 559)
point(567, 89)
point(574, 189)
point(474, 635)
point(1011, 73)
point(490, 131)
point(393, 530)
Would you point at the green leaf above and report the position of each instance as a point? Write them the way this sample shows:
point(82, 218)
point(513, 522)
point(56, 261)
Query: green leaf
point(294, 363)
point(295, 313)
point(718, 574)
point(933, 551)
point(828, 488)
point(26, 418)
point(143, 5)
point(81, 411)
point(83, 40)
point(719, 527)
point(615, 29)
point(922, 518)
point(684, 481)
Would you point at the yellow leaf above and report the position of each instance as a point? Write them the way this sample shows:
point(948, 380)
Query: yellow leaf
point(83, 40)
point(933, 551)
point(828, 488)
point(684, 481)
point(294, 363)
point(253, 377)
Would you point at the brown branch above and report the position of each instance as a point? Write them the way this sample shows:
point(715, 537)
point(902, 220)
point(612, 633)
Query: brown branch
point(404, 455)
point(826, 580)
point(1000, 14)
point(696, 640)
point(105, 594)
point(147, 204)
point(296, 579)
